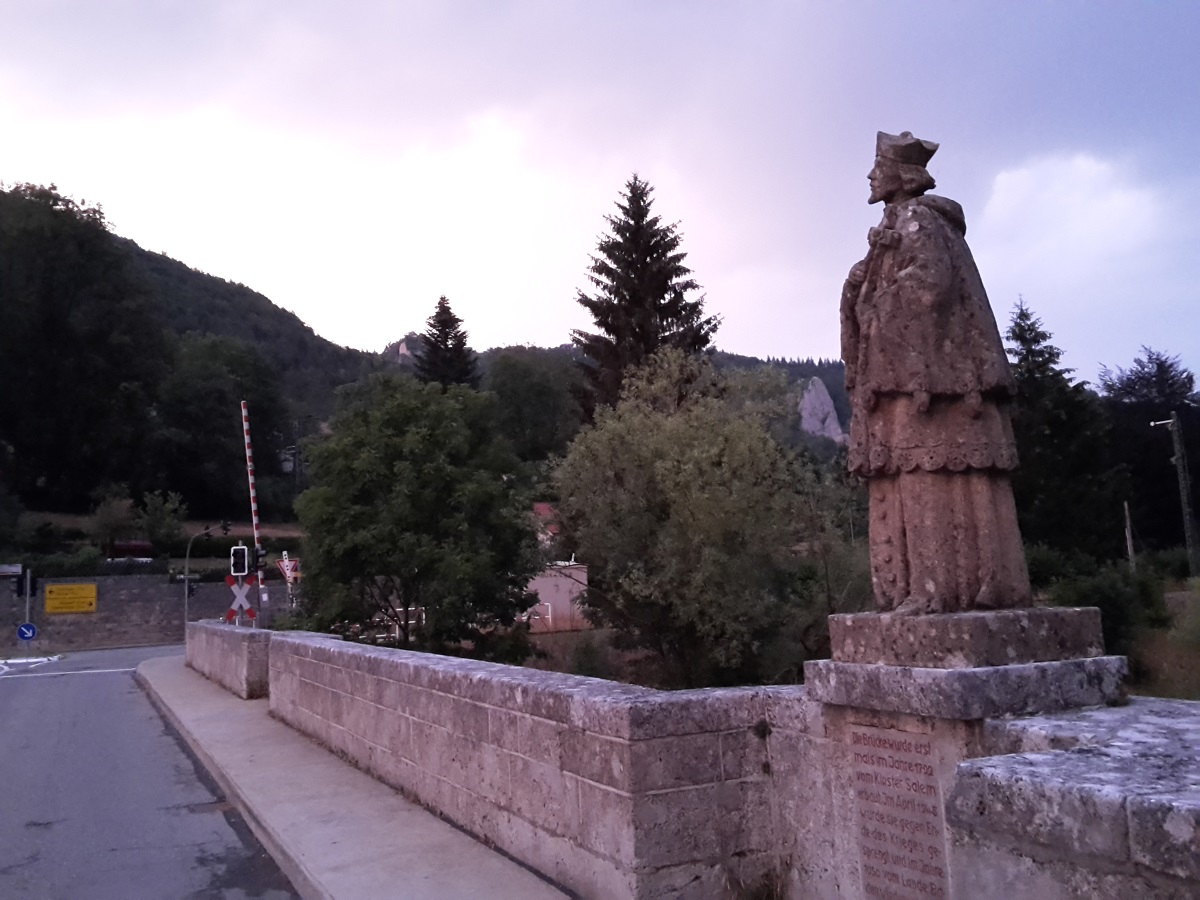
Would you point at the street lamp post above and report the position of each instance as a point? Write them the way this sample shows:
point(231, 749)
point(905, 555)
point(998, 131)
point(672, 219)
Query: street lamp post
point(187, 557)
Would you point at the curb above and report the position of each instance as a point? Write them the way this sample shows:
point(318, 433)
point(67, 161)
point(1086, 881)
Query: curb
point(297, 873)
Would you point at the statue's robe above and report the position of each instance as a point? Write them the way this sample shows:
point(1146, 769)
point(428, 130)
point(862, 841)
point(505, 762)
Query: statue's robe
point(930, 428)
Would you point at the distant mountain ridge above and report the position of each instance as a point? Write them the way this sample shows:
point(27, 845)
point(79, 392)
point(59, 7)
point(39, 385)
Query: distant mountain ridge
point(311, 367)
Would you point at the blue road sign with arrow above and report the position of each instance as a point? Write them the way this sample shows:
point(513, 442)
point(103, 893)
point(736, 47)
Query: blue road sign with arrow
point(26, 631)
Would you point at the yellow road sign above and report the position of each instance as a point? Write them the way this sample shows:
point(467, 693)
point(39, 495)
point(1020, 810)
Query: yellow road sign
point(70, 598)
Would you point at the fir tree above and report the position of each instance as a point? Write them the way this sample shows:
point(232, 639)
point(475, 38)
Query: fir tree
point(1068, 488)
point(641, 301)
point(444, 356)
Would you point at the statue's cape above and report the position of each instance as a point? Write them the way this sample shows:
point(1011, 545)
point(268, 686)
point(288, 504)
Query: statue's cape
point(922, 321)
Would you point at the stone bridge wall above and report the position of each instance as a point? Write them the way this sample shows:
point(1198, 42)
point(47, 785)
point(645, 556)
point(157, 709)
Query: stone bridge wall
point(234, 657)
point(608, 789)
point(618, 791)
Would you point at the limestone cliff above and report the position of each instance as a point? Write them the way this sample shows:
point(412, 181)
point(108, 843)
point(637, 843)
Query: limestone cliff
point(817, 415)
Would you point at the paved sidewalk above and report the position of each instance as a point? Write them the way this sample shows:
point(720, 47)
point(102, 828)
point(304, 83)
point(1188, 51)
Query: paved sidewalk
point(335, 831)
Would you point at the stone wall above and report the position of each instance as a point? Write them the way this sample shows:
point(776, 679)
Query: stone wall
point(608, 789)
point(1095, 803)
point(616, 791)
point(233, 656)
point(131, 610)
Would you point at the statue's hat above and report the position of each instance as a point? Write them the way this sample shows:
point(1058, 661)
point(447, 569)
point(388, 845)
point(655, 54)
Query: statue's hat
point(904, 148)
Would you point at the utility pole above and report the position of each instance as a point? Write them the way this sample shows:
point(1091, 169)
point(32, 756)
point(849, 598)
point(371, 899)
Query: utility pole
point(1185, 490)
point(1129, 539)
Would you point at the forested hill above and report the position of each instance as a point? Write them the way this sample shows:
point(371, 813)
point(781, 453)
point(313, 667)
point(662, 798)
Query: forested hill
point(309, 366)
point(831, 371)
point(123, 370)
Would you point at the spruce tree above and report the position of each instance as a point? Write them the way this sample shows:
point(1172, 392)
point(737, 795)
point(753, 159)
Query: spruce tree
point(641, 301)
point(1068, 487)
point(444, 356)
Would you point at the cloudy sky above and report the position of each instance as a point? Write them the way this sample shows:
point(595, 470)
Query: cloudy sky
point(353, 161)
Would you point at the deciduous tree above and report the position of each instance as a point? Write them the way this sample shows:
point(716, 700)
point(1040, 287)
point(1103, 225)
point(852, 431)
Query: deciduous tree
point(641, 301)
point(413, 517)
point(160, 517)
point(81, 351)
point(700, 532)
point(538, 410)
point(199, 448)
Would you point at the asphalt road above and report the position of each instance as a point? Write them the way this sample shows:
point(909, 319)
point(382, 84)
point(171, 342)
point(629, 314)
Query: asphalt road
point(100, 798)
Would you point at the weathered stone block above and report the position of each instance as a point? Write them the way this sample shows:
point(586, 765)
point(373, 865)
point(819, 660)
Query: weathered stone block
point(541, 739)
point(968, 639)
point(606, 823)
point(674, 762)
point(1164, 830)
point(975, 693)
point(546, 795)
point(744, 754)
point(236, 658)
point(597, 758)
point(691, 824)
point(1042, 798)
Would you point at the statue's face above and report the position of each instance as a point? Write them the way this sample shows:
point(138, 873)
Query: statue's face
point(885, 181)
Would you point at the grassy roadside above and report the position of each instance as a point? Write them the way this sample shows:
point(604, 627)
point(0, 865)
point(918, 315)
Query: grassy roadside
point(1171, 656)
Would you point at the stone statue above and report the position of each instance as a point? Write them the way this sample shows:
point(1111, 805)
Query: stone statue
point(930, 388)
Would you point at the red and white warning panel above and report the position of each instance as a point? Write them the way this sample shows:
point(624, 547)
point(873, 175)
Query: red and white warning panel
point(241, 589)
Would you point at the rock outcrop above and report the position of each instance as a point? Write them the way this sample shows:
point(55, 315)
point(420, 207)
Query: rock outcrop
point(817, 415)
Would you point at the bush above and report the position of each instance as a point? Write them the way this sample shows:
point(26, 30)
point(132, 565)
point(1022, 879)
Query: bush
point(1048, 565)
point(1171, 564)
point(88, 561)
point(46, 538)
point(1128, 603)
point(591, 657)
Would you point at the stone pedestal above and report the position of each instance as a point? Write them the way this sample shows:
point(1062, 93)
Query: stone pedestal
point(905, 698)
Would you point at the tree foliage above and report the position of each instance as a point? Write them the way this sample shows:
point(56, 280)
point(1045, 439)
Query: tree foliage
point(537, 400)
point(1068, 487)
point(641, 301)
point(1150, 390)
point(118, 367)
point(199, 450)
point(444, 356)
point(81, 351)
point(413, 516)
point(699, 531)
point(160, 518)
point(310, 368)
point(1156, 381)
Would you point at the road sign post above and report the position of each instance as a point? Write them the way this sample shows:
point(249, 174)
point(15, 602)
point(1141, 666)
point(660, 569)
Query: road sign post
point(291, 571)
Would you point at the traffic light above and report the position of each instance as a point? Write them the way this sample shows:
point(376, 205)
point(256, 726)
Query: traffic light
point(239, 560)
point(225, 527)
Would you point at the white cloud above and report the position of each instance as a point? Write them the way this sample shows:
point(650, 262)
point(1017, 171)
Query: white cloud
point(1081, 240)
point(1074, 215)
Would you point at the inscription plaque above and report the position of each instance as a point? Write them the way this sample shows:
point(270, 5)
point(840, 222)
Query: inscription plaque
point(901, 824)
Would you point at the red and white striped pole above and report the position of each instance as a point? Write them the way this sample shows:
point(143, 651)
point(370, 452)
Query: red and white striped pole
point(263, 600)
